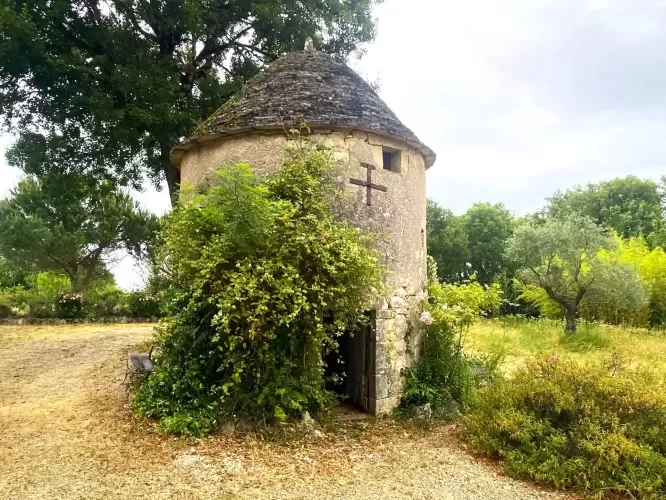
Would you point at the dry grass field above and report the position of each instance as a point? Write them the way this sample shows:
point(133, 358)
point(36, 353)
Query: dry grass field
point(66, 432)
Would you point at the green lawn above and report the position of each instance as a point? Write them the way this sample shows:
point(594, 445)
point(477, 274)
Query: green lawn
point(518, 339)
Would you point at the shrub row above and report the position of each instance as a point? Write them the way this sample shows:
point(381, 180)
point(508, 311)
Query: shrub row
point(49, 296)
point(76, 321)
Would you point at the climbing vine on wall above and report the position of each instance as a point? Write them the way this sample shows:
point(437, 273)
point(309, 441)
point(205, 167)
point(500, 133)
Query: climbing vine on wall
point(252, 268)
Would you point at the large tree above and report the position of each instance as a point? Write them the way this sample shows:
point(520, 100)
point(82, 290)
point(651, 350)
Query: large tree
point(564, 258)
point(630, 205)
point(112, 86)
point(447, 242)
point(468, 245)
point(71, 224)
point(488, 227)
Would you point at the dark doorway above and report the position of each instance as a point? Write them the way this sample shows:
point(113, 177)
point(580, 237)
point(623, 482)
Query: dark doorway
point(353, 364)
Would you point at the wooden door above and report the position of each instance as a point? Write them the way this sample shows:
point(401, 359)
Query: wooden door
point(360, 358)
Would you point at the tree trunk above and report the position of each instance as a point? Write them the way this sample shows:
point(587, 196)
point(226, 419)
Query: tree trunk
point(571, 311)
point(570, 308)
point(171, 173)
point(570, 318)
point(76, 285)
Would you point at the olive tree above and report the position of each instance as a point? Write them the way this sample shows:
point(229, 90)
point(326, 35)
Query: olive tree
point(565, 258)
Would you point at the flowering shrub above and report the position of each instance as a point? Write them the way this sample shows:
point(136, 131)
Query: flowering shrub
point(445, 377)
point(70, 305)
point(144, 305)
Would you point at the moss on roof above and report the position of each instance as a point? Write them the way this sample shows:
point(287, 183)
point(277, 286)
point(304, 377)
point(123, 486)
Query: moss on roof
point(306, 87)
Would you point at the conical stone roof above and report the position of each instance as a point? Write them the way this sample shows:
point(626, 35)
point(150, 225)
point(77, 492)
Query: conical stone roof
point(306, 87)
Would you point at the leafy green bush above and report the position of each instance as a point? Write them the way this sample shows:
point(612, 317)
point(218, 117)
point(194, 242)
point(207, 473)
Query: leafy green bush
point(445, 376)
point(251, 268)
point(48, 285)
point(142, 304)
point(103, 298)
point(38, 299)
point(48, 295)
point(15, 301)
point(5, 311)
point(45, 291)
point(591, 428)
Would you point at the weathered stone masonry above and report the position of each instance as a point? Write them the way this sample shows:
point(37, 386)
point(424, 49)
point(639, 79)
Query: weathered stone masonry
point(346, 115)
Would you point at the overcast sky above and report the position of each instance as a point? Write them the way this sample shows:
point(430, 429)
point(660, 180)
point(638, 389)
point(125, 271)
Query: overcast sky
point(517, 98)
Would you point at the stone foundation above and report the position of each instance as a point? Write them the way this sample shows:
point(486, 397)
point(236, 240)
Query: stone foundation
point(397, 337)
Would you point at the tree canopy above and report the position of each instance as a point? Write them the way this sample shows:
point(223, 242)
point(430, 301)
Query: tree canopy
point(629, 205)
point(111, 87)
point(469, 244)
point(71, 224)
point(447, 242)
point(651, 267)
point(488, 227)
point(564, 258)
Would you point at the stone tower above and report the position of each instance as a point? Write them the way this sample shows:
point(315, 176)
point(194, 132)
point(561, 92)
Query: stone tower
point(385, 175)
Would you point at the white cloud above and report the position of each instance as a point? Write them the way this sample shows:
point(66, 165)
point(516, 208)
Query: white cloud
point(522, 98)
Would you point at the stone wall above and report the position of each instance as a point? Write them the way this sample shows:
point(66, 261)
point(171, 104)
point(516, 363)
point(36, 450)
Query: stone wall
point(75, 321)
point(400, 213)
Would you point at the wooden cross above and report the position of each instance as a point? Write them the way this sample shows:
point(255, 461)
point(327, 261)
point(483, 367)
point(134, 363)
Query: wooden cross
point(368, 183)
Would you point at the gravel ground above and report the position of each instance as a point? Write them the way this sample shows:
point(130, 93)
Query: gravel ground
point(66, 433)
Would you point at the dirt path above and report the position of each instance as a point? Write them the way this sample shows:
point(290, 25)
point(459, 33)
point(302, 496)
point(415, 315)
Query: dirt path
point(66, 433)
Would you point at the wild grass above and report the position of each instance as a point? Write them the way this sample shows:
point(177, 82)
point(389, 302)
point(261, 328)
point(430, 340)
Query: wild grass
point(518, 339)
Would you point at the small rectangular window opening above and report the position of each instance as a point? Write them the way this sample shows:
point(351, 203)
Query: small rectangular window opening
point(391, 159)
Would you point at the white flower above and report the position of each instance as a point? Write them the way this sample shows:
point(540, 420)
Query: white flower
point(426, 318)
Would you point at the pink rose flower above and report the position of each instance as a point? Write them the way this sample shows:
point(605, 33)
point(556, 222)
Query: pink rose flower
point(426, 318)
